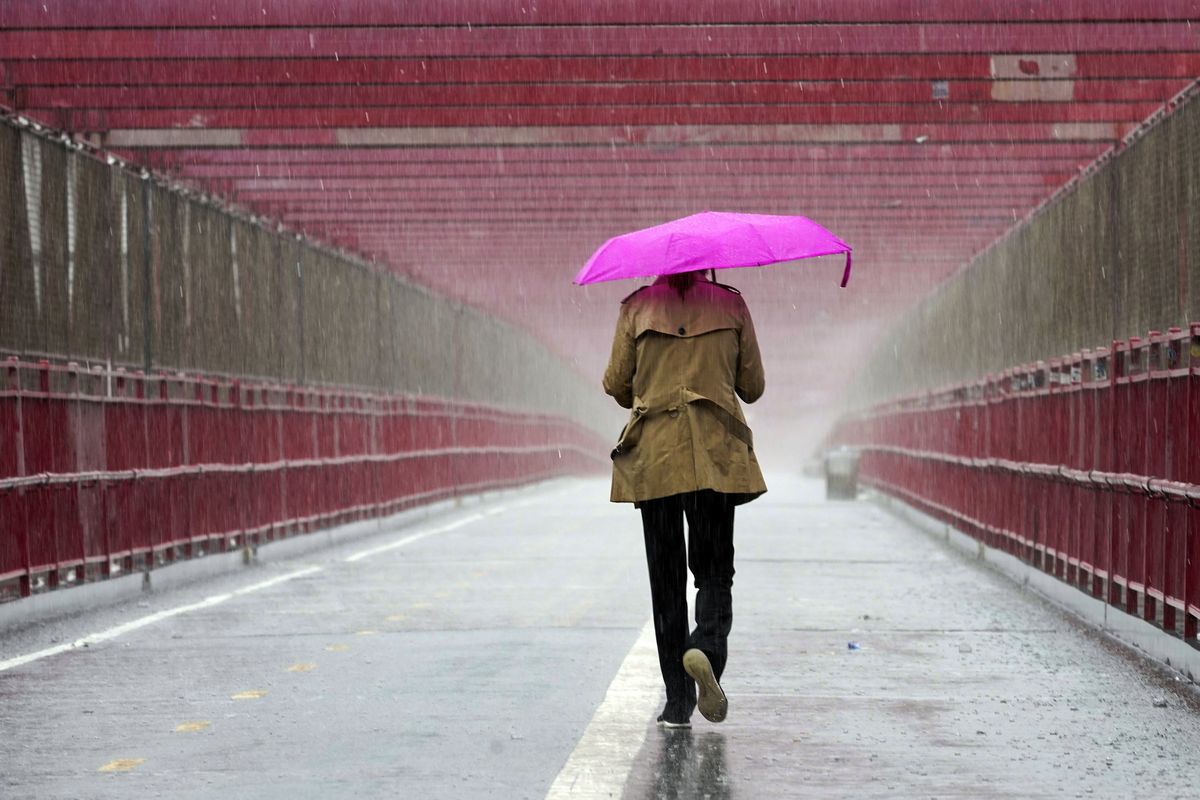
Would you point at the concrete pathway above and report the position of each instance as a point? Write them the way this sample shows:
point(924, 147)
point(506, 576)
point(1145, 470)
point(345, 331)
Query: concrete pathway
point(501, 651)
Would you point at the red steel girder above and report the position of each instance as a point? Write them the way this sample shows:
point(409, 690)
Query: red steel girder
point(964, 214)
point(1057, 170)
point(589, 232)
point(616, 136)
point(879, 194)
point(586, 227)
point(547, 220)
point(552, 245)
point(155, 13)
point(1079, 94)
point(581, 116)
point(935, 231)
point(949, 246)
point(183, 71)
point(538, 185)
point(944, 205)
point(864, 152)
point(718, 40)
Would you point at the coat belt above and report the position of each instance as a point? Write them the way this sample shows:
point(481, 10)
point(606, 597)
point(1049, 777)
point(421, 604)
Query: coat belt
point(632, 431)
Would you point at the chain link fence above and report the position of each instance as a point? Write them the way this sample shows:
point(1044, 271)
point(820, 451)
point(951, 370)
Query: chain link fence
point(1116, 256)
point(102, 265)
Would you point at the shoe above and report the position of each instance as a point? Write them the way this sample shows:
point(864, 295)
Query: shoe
point(666, 723)
point(711, 702)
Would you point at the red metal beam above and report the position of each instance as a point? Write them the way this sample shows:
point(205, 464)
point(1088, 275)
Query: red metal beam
point(948, 217)
point(1055, 170)
point(860, 152)
point(326, 117)
point(1093, 98)
point(714, 40)
point(945, 239)
point(249, 13)
point(590, 227)
point(413, 201)
point(181, 70)
point(718, 179)
point(617, 136)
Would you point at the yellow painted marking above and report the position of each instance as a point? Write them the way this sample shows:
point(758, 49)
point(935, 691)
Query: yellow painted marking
point(397, 618)
point(462, 585)
point(303, 666)
point(479, 573)
point(253, 694)
point(122, 764)
point(192, 727)
point(367, 633)
point(422, 605)
point(441, 594)
point(338, 648)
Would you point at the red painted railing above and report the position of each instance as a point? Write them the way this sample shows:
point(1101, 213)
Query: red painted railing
point(104, 471)
point(1087, 467)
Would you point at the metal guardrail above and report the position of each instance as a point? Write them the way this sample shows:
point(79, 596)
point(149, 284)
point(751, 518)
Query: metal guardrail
point(106, 471)
point(1086, 466)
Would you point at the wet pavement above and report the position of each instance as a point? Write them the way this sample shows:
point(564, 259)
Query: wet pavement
point(474, 655)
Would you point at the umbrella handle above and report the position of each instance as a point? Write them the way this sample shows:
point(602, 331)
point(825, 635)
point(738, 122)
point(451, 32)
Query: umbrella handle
point(846, 271)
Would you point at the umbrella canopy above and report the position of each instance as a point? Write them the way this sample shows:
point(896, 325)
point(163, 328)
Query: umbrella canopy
point(711, 240)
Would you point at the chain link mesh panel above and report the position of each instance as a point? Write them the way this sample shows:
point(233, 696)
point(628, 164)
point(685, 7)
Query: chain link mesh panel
point(1113, 258)
point(98, 263)
point(51, 271)
point(18, 308)
point(286, 320)
point(90, 250)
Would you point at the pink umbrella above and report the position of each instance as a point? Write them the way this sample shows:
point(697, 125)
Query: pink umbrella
point(711, 240)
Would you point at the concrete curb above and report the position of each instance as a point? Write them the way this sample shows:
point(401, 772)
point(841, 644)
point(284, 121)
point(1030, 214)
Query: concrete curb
point(1146, 639)
point(62, 602)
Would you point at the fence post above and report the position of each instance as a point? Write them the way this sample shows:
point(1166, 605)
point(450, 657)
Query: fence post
point(1175, 452)
point(1154, 464)
point(1191, 616)
point(239, 482)
point(25, 584)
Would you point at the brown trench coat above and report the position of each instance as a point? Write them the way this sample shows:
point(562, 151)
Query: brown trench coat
point(677, 363)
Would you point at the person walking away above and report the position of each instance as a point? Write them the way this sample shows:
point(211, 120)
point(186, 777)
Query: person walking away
point(683, 353)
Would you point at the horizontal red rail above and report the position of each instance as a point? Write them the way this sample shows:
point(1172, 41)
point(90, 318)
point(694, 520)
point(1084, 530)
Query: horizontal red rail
point(672, 40)
point(689, 92)
point(1172, 491)
point(848, 154)
point(113, 70)
point(116, 476)
point(1027, 121)
point(146, 13)
point(1085, 466)
point(105, 471)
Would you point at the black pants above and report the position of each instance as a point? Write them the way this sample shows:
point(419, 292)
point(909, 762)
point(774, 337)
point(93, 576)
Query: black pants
point(709, 554)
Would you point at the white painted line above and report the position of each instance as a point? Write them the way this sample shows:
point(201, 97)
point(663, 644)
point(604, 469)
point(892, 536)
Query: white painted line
point(254, 587)
point(600, 763)
point(141, 622)
point(374, 551)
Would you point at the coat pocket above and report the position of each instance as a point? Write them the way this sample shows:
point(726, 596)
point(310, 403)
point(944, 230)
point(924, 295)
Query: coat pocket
point(730, 421)
point(630, 434)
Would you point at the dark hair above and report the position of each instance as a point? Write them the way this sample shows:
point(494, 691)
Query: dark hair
point(682, 281)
